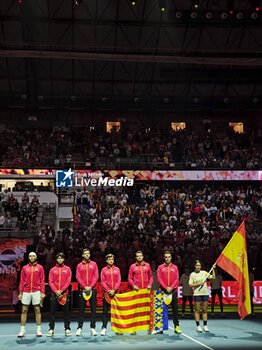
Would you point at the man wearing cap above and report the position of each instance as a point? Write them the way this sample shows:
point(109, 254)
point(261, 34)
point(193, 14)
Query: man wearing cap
point(168, 279)
point(140, 275)
point(110, 281)
point(31, 290)
point(87, 277)
point(59, 281)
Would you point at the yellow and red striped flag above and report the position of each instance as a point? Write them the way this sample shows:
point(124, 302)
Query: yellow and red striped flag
point(233, 260)
point(130, 312)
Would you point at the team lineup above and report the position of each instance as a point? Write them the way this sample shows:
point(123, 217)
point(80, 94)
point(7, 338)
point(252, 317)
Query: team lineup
point(140, 276)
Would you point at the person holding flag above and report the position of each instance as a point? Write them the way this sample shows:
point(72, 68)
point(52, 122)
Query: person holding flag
point(197, 280)
point(110, 281)
point(59, 281)
point(87, 277)
point(168, 279)
point(233, 260)
point(140, 275)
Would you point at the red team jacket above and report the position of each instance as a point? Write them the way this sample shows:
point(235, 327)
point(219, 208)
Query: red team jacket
point(110, 278)
point(60, 278)
point(168, 276)
point(87, 274)
point(32, 279)
point(140, 275)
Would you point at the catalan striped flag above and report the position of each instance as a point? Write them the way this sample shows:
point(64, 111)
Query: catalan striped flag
point(233, 260)
point(130, 312)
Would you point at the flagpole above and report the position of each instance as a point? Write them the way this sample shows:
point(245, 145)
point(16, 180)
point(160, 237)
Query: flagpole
point(210, 271)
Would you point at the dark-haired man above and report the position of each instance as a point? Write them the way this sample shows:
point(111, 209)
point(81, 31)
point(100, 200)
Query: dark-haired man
point(140, 275)
point(110, 281)
point(59, 281)
point(168, 279)
point(87, 277)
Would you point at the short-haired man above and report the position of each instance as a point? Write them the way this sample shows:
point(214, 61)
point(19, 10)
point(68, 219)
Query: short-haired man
point(140, 274)
point(110, 281)
point(87, 277)
point(59, 281)
point(168, 279)
point(31, 290)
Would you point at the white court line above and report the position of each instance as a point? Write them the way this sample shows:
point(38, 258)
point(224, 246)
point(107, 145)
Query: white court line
point(196, 341)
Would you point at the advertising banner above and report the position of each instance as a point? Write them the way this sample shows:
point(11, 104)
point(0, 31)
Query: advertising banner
point(11, 255)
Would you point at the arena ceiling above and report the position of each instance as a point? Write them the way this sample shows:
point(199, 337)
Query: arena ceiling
point(109, 54)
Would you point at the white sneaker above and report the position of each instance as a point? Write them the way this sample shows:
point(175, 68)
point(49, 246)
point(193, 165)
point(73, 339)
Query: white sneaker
point(103, 332)
point(39, 333)
point(50, 333)
point(93, 331)
point(68, 332)
point(21, 334)
point(160, 331)
point(78, 332)
point(199, 329)
point(205, 329)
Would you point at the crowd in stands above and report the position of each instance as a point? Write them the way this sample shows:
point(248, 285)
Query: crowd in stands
point(187, 149)
point(18, 215)
point(193, 221)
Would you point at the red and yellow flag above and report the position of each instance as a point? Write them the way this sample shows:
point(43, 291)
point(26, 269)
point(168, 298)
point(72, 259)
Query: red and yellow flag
point(233, 260)
point(130, 312)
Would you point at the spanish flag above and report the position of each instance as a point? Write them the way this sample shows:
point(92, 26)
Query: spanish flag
point(233, 260)
point(130, 312)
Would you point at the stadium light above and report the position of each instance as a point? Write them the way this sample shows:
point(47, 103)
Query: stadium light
point(77, 2)
point(224, 15)
point(20, 2)
point(193, 15)
point(231, 6)
point(209, 15)
point(132, 2)
point(195, 4)
point(196, 100)
point(162, 5)
point(239, 15)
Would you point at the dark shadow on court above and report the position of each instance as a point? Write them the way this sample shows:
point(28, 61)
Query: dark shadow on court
point(254, 337)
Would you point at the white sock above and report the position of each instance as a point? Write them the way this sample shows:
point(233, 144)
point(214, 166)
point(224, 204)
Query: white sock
point(22, 328)
point(38, 328)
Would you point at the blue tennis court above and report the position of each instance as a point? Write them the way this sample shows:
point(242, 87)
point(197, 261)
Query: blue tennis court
point(224, 334)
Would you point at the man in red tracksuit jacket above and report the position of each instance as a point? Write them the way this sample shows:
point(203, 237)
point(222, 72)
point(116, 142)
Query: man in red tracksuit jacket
point(87, 277)
point(60, 277)
point(168, 279)
point(140, 275)
point(110, 281)
point(31, 290)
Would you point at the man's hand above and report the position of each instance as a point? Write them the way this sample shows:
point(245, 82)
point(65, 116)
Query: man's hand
point(20, 296)
point(42, 296)
point(149, 286)
point(112, 292)
point(169, 290)
point(88, 289)
point(136, 288)
point(58, 293)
